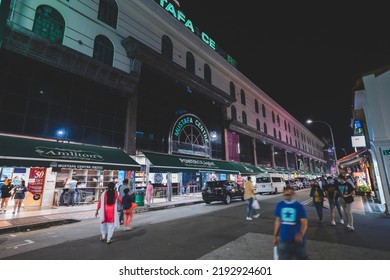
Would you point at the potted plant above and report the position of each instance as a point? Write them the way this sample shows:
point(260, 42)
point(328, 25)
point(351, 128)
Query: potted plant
point(362, 190)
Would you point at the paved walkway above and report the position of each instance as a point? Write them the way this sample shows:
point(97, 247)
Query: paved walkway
point(56, 215)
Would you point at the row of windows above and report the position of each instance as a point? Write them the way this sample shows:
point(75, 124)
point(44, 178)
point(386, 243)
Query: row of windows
point(265, 130)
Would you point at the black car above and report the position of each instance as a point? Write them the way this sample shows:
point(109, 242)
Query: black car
point(224, 190)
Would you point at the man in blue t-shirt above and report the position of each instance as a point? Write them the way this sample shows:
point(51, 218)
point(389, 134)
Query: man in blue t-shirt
point(290, 226)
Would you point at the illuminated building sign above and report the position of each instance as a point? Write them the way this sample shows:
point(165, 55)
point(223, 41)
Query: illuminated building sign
point(189, 135)
point(173, 9)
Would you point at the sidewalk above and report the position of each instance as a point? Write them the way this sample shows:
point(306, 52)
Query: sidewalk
point(58, 215)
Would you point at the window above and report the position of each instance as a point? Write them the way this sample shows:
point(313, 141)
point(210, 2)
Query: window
point(286, 139)
point(275, 133)
point(207, 73)
point(190, 62)
point(258, 124)
point(49, 24)
point(273, 117)
point(285, 125)
point(280, 135)
point(232, 90)
point(103, 50)
point(265, 128)
point(166, 47)
point(234, 113)
point(256, 106)
point(243, 101)
point(244, 120)
point(263, 109)
point(278, 119)
point(108, 12)
point(289, 128)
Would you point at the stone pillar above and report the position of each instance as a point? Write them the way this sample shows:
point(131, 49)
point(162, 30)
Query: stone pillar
point(131, 124)
point(273, 155)
point(254, 150)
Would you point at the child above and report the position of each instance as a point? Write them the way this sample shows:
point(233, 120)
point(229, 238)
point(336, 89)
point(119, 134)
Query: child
point(128, 207)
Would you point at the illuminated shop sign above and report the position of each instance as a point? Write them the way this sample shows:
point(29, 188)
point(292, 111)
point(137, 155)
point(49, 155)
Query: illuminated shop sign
point(173, 9)
point(57, 153)
point(189, 135)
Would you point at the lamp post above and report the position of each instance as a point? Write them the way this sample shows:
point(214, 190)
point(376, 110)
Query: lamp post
point(333, 144)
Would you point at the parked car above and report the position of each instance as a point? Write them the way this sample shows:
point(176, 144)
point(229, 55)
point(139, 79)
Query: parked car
point(293, 184)
point(224, 190)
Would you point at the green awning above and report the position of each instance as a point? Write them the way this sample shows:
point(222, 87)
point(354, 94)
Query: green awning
point(246, 168)
point(177, 163)
point(25, 152)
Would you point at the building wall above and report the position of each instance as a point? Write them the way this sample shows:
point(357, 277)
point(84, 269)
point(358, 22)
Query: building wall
point(147, 22)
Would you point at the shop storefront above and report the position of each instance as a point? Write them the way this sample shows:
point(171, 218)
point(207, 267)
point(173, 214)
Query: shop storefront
point(46, 164)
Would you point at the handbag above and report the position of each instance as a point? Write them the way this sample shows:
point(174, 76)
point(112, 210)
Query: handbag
point(348, 199)
point(255, 204)
point(276, 256)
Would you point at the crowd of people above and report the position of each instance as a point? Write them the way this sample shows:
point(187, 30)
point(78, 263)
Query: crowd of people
point(291, 221)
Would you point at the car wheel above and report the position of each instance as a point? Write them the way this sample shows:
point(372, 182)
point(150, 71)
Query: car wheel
point(208, 202)
point(227, 199)
point(276, 190)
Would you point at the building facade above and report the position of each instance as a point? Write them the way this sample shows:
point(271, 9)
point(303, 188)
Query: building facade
point(371, 113)
point(123, 73)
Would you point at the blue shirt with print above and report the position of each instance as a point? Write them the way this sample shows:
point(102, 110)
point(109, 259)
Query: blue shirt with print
point(290, 214)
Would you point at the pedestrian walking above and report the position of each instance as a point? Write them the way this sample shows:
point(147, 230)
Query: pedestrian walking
point(121, 189)
point(19, 194)
point(290, 228)
point(249, 196)
point(149, 194)
point(128, 209)
point(107, 212)
point(318, 199)
point(6, 192)
point(331, 193)
point(346, 191)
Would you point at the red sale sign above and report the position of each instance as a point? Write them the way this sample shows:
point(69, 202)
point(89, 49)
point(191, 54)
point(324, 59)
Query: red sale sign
point(36, 182)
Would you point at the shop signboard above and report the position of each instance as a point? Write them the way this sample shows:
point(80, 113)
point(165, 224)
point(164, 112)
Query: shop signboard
point(36, 182)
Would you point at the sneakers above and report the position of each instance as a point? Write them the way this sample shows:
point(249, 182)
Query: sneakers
point(249, 219)
point(348, 226)
point(109, 241)
point(102, 238)
point(333, 223)
point(351, 229)
point(256, 216)
point(341, 221)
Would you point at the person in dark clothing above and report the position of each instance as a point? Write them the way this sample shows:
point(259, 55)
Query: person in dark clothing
point(318, 199)
point(128, 206)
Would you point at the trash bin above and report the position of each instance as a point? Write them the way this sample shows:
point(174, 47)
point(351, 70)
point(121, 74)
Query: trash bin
point(140, 198)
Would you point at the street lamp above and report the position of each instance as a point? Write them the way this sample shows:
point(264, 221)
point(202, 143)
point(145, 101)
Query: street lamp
point(333, 144)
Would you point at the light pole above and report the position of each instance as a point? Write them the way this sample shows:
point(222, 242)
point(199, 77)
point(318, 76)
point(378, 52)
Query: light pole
point(334, 146)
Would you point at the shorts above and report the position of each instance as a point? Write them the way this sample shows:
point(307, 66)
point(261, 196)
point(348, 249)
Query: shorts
point(332, 203)
point(19, 196)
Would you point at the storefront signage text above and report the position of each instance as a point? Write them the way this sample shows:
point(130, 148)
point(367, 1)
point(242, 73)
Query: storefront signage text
point(193, 121)
point(68, 154)
point(197, 162)
point(179, 15)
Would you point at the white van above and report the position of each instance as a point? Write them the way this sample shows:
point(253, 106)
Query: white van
point(269, 183)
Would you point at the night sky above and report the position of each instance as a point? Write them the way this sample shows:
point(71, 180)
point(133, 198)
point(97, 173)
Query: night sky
point(306, 58)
